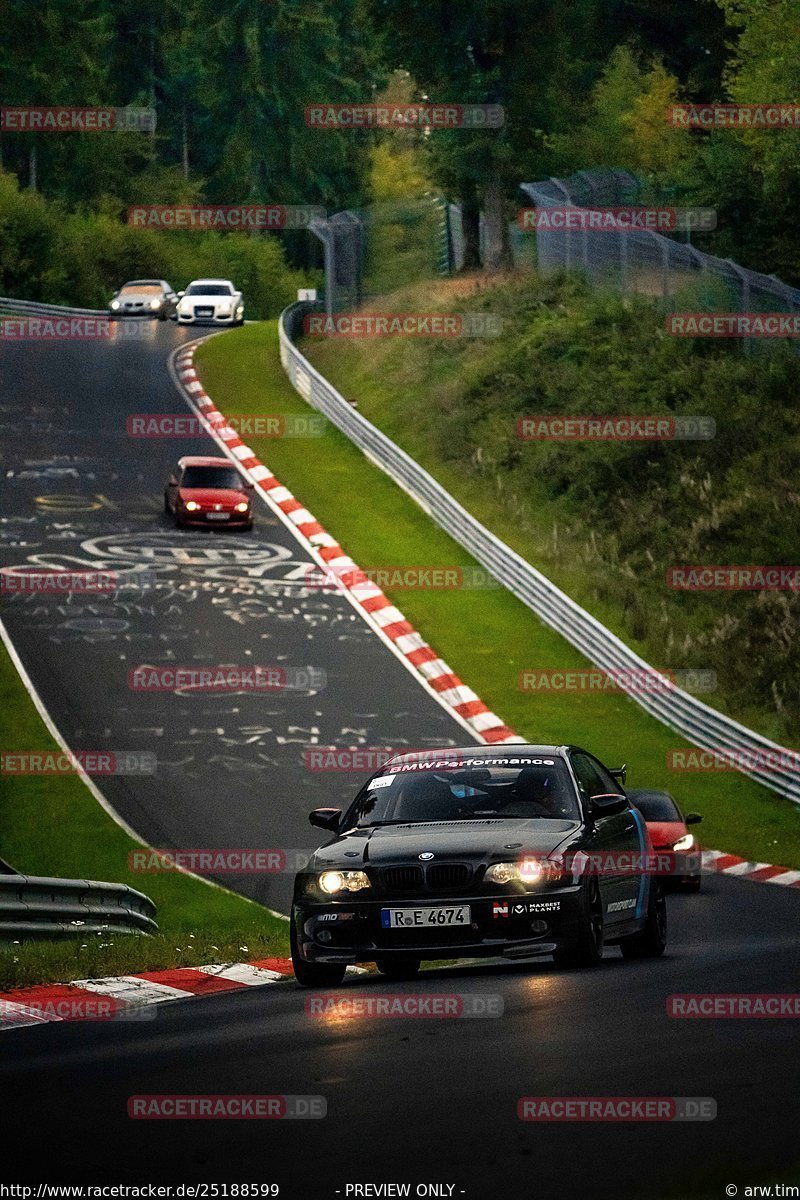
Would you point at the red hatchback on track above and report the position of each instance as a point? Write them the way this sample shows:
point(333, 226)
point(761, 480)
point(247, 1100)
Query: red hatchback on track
point(666, 825)
point(209, 491)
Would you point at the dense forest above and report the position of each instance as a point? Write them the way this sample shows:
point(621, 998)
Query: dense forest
point(582, 85)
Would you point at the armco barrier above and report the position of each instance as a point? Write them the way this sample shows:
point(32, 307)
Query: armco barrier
point(697, 722)
point(32, 308)
point(39, 907)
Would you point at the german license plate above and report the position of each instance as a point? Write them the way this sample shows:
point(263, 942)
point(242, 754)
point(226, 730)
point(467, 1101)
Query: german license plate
point(204, 312)
point(218, 516)
point(425, 918)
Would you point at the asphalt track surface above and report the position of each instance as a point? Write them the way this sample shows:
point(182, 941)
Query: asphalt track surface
point(417, 1101)
point(79, 493)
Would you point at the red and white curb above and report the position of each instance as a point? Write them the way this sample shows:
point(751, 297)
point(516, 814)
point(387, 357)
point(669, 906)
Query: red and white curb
point(120, 995)
point(125, 996)
point(383, 616)
point(718, 862)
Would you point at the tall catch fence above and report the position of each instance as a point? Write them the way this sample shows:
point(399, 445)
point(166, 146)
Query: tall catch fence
point(663, 265)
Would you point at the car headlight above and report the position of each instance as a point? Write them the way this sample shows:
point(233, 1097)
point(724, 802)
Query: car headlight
point(154, 304)
point(528, 871)
point(114, 304)
point(332, 882)
point(192, 505)
point(684, 843)
point(243, 507)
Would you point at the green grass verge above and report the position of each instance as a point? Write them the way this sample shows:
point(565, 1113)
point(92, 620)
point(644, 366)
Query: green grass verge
point(605, 519)
point(54, 826)
point(488, 637)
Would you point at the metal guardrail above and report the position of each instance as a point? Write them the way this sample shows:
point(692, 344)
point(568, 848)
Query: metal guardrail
point(678, 710)
point(40, 907)
point(34, 308)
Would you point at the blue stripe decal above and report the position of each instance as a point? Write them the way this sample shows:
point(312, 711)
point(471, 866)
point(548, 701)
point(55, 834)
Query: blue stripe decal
point(644, 881)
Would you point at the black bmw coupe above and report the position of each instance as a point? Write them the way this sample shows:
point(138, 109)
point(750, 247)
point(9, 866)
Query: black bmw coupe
point(508, 851)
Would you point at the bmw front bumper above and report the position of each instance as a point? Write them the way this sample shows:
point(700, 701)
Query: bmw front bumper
point(351, 930)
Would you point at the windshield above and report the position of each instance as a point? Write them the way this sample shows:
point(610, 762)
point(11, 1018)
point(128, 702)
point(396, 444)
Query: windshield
point(211, 477)
point(655, 806)
point(140, 289)
point(208, 289)
point(421, 792)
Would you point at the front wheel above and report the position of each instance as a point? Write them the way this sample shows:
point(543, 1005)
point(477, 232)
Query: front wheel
point(314, 974)
point(167, 508)
point(398, 968)
point(587, 951)
point(650, 942)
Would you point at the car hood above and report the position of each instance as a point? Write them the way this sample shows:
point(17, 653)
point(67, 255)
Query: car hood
point(203, 299)
point(469, 841)
point(664, 833)
point(214, 495)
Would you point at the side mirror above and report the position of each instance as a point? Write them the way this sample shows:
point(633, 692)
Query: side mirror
point(609, 803)
point(181, 295)
point(249, 487)
point(326, 818)
point(619, 773)
point(693, 818)
point(173, 482)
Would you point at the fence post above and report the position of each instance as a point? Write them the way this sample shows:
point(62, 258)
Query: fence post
point(745, 297)
point(321, 229)
point(665, 280)
point(568, 197)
